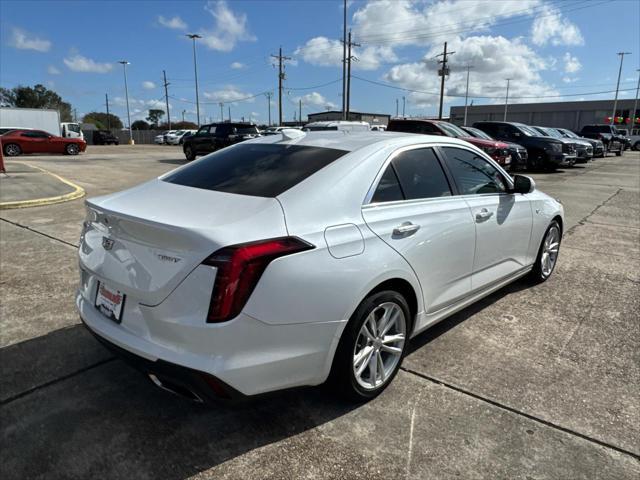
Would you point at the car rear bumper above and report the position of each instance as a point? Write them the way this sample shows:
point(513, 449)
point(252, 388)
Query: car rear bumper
point(246, 355)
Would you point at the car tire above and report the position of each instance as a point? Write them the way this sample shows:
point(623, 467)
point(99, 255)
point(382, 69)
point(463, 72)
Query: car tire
point(363, 377)
point(619, 153)
point(636, 146)
point(12, 150)
point(188, 153)
point(547, 254)
point(71, 149)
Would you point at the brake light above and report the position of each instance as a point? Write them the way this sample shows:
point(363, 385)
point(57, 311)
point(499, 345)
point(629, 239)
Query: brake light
point(239, 269)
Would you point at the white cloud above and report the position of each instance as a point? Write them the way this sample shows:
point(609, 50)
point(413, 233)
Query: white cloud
point(228, 94)
point(238, 66)
point(569, 79)
point(325, 52)
point(551, 27)
point(229, 29)
point(79, 63)
point(494, 60)
point(316, 99)
point(23, 40)
point(53, 70)
point(571, 63)
point(174, 22)
point(148, 85)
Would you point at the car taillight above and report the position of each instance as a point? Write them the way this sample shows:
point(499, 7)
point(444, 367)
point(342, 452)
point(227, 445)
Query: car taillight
point(239, 267)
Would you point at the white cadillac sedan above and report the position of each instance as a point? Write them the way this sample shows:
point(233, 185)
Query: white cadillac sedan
point(298, 258)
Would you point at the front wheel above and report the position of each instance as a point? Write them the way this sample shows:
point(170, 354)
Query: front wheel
point(547, 254)
point(72, 149)
point(189, 154)
point(619, 153)
point(372, 346)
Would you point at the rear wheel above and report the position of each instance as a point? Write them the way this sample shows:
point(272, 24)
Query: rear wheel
point(72, 149)
point(188, 152)
point(12, 150)
point(547, 254)
point(372, 346)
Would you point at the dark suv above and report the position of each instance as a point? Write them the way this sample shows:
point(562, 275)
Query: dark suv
point(104, 137)
point(608, 134)
point(544, 153)
point(215, 136)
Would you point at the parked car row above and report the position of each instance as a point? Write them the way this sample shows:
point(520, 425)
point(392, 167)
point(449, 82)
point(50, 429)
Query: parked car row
point(173, 137)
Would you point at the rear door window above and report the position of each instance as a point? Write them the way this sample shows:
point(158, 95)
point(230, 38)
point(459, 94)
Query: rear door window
point(262, 170)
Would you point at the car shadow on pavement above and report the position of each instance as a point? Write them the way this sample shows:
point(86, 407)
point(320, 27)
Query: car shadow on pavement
point(451, 322)
point(108, 419)
point(172, 161)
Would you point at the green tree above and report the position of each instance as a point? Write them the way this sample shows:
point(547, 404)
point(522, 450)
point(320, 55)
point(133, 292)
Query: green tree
point(140, 125)
point(155, 116)
point(37, 96)
point(103, 120)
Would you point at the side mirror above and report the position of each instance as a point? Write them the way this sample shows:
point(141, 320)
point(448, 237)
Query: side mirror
point(523, 184)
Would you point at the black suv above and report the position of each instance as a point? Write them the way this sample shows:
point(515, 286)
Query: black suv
point(608, 134)
point(544, 153)
point(215, 136)
point(104, 137)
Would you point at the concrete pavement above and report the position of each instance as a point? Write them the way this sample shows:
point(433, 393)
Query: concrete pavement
point(535, 382)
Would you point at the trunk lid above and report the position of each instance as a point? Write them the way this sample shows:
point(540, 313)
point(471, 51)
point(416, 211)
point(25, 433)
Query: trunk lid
point(144, 241)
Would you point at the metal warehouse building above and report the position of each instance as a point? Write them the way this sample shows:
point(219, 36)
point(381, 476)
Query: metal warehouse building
point(333, 115)
point(571, 115)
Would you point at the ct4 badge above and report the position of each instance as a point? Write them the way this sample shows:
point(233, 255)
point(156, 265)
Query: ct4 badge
point(107, 243)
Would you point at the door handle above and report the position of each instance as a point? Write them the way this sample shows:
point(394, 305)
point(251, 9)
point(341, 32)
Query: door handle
point(483, 215)
point(406, 228)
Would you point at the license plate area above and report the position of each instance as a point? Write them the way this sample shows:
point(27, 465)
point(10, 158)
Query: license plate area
point(110, 302)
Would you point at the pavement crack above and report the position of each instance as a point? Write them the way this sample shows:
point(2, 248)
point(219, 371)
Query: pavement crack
point(413, 421)
point(54, 381)
point(26, 227)
point(529, 416)
point(584, 219)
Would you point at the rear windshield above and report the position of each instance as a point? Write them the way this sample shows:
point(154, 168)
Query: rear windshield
point(319, 128)
point(247, 130)
point(261, 170)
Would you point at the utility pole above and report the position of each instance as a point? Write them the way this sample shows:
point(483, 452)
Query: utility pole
point(281, 77)
point(268, 94)
point(397, 108)
point(194, 37)
point(166, 97)
point(106, 97)
point(404, 103)
point(349, 59)
point(229, 113)
point(506, 101)
point(615, 100)
point(466, 96)
point(124, 64)
point(300, 110)
point(443, 72)
point(75, 115)
point(221, 111)
point(344, 63)
point(183, 112)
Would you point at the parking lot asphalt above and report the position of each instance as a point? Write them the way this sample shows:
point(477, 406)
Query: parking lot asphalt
point(531, 382)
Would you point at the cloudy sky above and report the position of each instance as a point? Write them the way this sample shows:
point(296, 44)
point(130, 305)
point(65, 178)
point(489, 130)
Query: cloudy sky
point(551, 50)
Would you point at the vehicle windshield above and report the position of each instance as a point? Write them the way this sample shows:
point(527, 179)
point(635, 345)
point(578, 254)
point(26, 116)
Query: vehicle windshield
point(478, 133)
point(452, 130)
point(261, 170)
point(552, 132)
point(528, 131)
point(569, 133)
point(319, 128)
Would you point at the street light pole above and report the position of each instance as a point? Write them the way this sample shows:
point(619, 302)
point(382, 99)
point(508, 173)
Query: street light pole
point(506, 101)
point(615, 100)
point(194, 36)
point(124, 64)
point(466, 96)
point(183, 112)
point(404, 102)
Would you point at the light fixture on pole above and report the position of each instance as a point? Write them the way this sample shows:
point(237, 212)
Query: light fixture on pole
point(194, 36)
point(124, 64)
point(506, 100)
point(615, 100)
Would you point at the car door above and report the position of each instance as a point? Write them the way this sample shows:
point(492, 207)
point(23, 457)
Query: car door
point(222, 136)
point(35, 141)
point(503, 220)
point(200, 138)
point(414, 210)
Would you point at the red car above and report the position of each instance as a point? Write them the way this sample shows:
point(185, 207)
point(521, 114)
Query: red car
point(497, 150)
point(17, 142)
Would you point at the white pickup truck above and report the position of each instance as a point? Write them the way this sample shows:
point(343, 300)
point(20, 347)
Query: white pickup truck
point(634, 135)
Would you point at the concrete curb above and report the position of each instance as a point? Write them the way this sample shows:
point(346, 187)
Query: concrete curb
point(78, 192)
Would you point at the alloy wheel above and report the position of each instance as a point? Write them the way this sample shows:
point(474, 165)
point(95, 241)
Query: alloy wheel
point(379, 345)
point(550, 249)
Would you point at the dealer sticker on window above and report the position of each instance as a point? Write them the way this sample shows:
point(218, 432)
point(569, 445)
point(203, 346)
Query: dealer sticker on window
point(110, 301)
